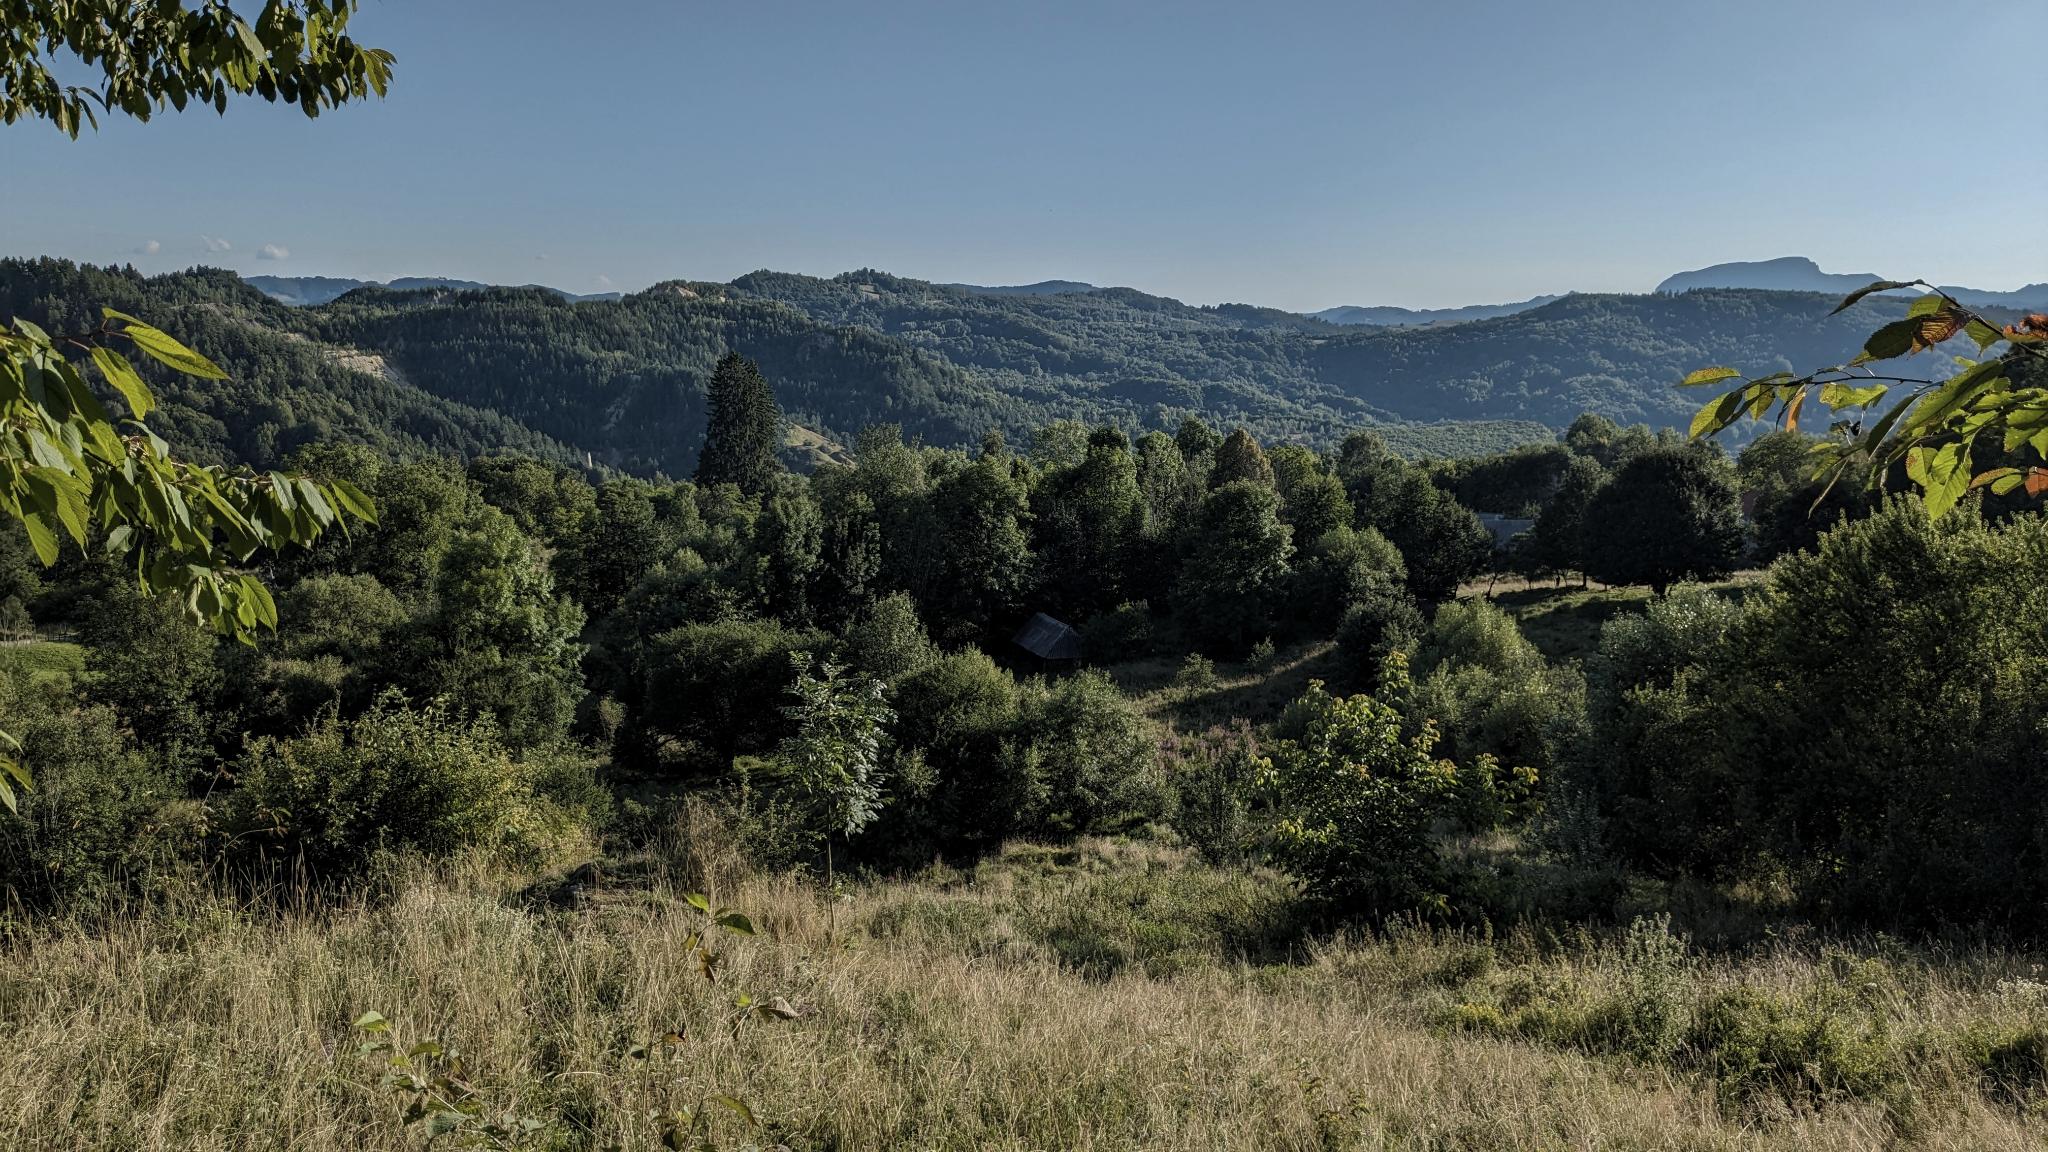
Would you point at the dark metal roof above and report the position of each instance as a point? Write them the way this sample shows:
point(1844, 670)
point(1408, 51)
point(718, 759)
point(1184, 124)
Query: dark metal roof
point(1504, 528)
point(1048, 639)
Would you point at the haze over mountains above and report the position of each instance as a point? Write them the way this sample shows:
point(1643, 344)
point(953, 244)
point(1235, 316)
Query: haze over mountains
point(305, 291)
point(1783, 274)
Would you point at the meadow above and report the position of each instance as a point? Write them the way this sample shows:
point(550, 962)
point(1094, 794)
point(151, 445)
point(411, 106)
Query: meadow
point(1101, 995)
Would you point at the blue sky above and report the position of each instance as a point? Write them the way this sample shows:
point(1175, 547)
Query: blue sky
point(1299, 155)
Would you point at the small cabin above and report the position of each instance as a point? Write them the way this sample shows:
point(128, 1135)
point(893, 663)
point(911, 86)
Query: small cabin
point(1054, 643)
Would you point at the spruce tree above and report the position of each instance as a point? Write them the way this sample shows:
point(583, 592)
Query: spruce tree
point(744, 429)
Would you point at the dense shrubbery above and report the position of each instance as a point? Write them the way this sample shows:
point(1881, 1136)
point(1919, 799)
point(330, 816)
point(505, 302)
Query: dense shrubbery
point(1357, 790)
point(100, 822)
point(1872, 721)
point(651, 632)
point(395, 778)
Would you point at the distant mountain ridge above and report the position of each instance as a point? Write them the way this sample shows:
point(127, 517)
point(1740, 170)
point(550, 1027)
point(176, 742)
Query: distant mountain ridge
point(1799, 274)
point(620, 383)
point(1042, 288)
point(1389, 316)
point(307, 291)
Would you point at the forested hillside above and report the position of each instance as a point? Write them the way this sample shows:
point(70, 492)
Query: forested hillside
point(1289, 376)
point(282, 391)
point(621, 383)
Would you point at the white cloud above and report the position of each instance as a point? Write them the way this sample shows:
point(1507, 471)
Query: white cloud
point(604, 282)
point(273, 252)
point(148, 248)
point(216, 243)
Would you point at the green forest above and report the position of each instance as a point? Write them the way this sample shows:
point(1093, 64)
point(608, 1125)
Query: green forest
point(861, 713)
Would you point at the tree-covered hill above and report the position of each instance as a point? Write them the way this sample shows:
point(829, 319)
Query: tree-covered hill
point(1294, 377)
point(624, 380)
point(621, 383)
point(283, 390)
point(1616, 355)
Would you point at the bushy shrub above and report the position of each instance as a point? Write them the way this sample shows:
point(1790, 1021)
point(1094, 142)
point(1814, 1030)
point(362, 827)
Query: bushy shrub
point(1503, 711)
point(1356, 793)
point(157, 670)
point(715, 691)
point(1212, 777)
point(1195, 676)
point(1094, 757)
point(971, 783)
point(981, 757)
point(887, 641)
point(1755, 1044)
point(1650, 765)
point(396, 777)
point(1871, 724)
point(1379, 623)
point(1123, 633)
point(1886, 705)
point(101, 820)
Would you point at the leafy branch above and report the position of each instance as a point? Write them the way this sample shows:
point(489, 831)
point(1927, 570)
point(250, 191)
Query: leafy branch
point(1934, 426)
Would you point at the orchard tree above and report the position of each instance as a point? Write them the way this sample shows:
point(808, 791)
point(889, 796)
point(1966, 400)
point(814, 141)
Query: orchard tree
point(1669, 514)
point(66, 465)
point(1557, 541)
point(744, 429)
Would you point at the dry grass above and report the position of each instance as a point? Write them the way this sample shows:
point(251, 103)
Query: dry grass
point(954, 1011)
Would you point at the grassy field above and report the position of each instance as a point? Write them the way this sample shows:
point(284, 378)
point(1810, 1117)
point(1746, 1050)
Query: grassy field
point(1563, 621)
point(42, 660)
point(1109, 995)
point(1256, 693)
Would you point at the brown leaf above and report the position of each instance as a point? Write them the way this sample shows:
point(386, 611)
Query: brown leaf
point(1939, 326)
point(2030, 328)
point(2037, 481)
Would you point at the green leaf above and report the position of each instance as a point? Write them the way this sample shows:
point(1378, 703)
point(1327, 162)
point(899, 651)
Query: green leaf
point(1838, 395)
point(126, 381)
point(738, 1108)
point(11, 774)
point(1983, 334)
point(1708, 376)
point(696, 900)
point(40, 537)
point(165, 350)
point(353, 501)
point(1718, 414)
point(1850, 300)
point(1889, 342)
point(1927, 305)
point(373, 1022)
point(737, 922)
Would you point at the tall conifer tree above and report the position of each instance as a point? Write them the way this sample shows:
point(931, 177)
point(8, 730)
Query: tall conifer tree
point(744, 429)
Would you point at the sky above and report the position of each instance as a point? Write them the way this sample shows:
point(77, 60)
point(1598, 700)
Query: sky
point(1299, 155)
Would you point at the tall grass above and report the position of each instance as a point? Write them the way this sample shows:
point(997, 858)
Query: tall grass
point(1104, 996)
